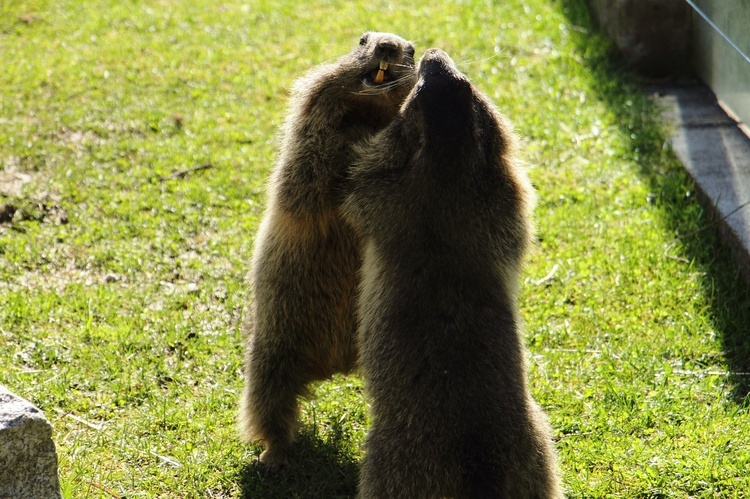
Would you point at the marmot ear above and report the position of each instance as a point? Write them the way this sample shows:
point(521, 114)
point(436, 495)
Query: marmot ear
point(363, 40)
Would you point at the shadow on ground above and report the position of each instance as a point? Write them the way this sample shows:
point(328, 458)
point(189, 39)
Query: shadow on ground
point(319, 469)
point(695, 228)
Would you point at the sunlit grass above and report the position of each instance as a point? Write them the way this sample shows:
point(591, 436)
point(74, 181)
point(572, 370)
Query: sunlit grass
point(122, 264)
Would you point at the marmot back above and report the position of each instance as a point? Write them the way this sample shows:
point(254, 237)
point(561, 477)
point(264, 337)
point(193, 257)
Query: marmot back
point(445, 216)
point(306, 258)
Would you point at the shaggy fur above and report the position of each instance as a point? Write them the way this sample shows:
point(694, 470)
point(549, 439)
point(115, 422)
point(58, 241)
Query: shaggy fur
point(306, 258)
point(445, 215)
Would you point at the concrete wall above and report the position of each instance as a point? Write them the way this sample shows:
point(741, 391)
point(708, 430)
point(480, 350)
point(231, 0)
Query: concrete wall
point(715, 60)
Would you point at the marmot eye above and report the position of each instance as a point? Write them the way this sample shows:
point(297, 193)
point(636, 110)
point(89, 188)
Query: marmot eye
point(363, 40)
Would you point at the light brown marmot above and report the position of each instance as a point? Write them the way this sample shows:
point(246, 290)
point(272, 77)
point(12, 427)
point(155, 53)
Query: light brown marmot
point(445, 214)
point(306, 258)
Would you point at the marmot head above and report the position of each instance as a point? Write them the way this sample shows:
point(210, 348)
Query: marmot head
point(386, 60)
point(458, 124)
point(444, 127)
point(368, 84)
point(444, 165)
point(382, 70)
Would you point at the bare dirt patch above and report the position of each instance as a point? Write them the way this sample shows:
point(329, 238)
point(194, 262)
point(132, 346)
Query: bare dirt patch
point(12, 180)
point(16, 204)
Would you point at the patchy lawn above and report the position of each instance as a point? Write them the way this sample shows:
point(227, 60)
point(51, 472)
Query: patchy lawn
point(135, 141)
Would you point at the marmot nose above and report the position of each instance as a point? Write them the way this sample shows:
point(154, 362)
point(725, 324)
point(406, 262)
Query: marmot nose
point(387, 49)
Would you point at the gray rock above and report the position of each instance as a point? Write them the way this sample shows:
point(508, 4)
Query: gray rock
point(28, 461)
point(652, 35)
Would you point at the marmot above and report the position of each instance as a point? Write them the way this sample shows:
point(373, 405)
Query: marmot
point(444, 213)
point(306, 258)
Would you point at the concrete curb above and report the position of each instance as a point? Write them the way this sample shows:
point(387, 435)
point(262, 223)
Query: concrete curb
point(715, 151)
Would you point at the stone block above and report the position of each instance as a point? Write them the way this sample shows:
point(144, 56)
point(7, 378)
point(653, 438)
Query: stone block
point(28, 461)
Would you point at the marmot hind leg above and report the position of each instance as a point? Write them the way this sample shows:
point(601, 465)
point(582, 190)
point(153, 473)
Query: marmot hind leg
point(269, 406)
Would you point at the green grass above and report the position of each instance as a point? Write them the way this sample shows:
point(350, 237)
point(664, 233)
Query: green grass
point(122, 285)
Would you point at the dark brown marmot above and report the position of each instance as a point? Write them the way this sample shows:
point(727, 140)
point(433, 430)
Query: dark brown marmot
point(444, 211)
point(306, 258)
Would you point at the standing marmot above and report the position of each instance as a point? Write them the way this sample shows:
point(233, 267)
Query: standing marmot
point(306, 258)
point(445, 216)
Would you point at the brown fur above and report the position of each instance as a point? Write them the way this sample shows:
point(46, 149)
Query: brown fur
point(445, 215)
point(306, 258)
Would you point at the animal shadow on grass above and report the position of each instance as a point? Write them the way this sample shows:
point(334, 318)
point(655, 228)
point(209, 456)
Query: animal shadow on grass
point(318, 469)
point(694, 226)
